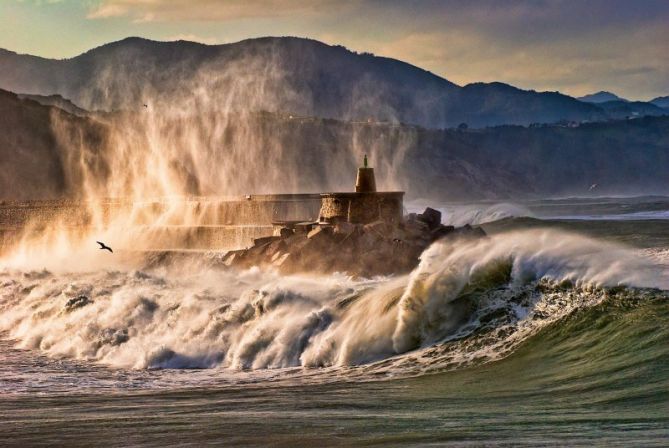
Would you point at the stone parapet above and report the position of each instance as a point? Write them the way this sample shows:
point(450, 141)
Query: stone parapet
point(361, 208)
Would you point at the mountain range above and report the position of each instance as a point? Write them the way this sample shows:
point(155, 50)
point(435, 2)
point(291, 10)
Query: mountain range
point(295, 75)
point(235, 118)
point(600, 97)
point(616, 107)
point(661, 101)
point(46, 152)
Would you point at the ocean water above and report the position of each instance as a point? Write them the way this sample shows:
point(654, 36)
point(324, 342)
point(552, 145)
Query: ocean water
point(552, 331)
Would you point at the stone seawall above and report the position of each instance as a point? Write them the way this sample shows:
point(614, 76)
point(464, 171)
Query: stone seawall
point(186, 223)
point(362, 208)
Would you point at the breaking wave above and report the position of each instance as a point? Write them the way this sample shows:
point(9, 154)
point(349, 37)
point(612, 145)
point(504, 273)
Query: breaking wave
point(468, 302)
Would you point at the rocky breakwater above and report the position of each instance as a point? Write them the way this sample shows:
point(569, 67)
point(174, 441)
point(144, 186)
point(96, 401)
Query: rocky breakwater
point(364, 250)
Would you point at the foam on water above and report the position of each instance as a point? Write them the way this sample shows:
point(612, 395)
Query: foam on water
point(634, 216)
point(467, 301)
point(459, 214)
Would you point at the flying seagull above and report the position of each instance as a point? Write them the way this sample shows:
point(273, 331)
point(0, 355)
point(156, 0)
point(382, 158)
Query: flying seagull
point(103, 246)
point(592, 187)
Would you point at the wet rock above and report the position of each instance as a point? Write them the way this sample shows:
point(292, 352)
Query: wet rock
point(264, 240)
point(368, 241)
point(442, 231)
point(377, 248)
point(281, 260)
point(232, 256)
point(416, 228)
point(298, 242)
point(114, 337)
point(285, 232)
point(320, 233)
point(28, 289)
point(159, 357)
point(147, 305)
point(275, 247)
point(37, 275)
point(431, 217)
point(304, 227)
point(381, 228)
point(76, 303)
point(344, 228)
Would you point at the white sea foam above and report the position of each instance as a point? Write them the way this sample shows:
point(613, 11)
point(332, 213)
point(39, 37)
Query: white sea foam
point(460, 214)
point(634, 216)
point(183, 317)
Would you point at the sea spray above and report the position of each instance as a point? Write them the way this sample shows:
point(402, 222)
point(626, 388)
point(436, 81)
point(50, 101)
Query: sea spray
point(428, 310)
point(210, 126)
point(487, 294)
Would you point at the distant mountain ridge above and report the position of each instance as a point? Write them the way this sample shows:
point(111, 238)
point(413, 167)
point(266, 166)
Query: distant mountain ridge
point(600, 97)
point(56, 101)
point(618, 108)
point(47, 144)
point(631, 109)
point(33, 156)
point(661, 101)
point(296, 75)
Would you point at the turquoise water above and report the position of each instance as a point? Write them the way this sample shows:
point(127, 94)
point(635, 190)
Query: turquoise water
point(545, 362)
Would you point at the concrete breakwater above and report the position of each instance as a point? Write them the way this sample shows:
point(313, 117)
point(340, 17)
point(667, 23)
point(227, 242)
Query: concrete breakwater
point(362, 233)
point(202, 223)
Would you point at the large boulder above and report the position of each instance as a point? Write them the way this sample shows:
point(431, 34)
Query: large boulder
point(431, 217)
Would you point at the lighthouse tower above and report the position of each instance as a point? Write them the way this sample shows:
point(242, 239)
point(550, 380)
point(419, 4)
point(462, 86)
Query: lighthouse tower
point(364, 206)
point(365, 182)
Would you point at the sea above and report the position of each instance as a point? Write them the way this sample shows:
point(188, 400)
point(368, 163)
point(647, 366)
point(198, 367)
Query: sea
point(551, 331)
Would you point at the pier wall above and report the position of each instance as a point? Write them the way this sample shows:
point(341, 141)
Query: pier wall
point(208, 223)
point(362, 208)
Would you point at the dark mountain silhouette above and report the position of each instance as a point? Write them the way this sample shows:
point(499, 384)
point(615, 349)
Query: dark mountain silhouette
point(56, 101)
point(601, 97)
point(43, 149)
point(35, 163)
point(291, 75)
point(631, 109)
point(617, 108)
point(661, 101)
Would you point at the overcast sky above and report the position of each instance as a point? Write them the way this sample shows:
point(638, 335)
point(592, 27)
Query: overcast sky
point(574, 46)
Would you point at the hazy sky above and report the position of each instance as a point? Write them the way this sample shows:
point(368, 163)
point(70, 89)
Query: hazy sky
point(575, 46)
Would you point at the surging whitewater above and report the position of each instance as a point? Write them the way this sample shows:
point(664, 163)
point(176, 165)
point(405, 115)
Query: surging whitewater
point(477, 300)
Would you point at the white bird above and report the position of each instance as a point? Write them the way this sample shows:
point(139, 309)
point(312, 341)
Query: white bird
point(592, 187)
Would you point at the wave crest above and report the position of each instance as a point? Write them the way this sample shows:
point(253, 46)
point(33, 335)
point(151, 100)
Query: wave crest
point(467, 302)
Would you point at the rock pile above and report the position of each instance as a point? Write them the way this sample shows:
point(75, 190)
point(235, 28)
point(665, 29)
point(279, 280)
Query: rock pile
point(378, 248)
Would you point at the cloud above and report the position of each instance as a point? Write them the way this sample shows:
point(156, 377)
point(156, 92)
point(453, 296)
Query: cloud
point(107, 10)
point(569, 45)
point(575, 47)
point(209, 10)
point(629, 63)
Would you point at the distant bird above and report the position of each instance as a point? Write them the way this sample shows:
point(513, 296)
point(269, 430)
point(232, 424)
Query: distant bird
point(592, 187)
point(146, 105)
point(104, 246)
